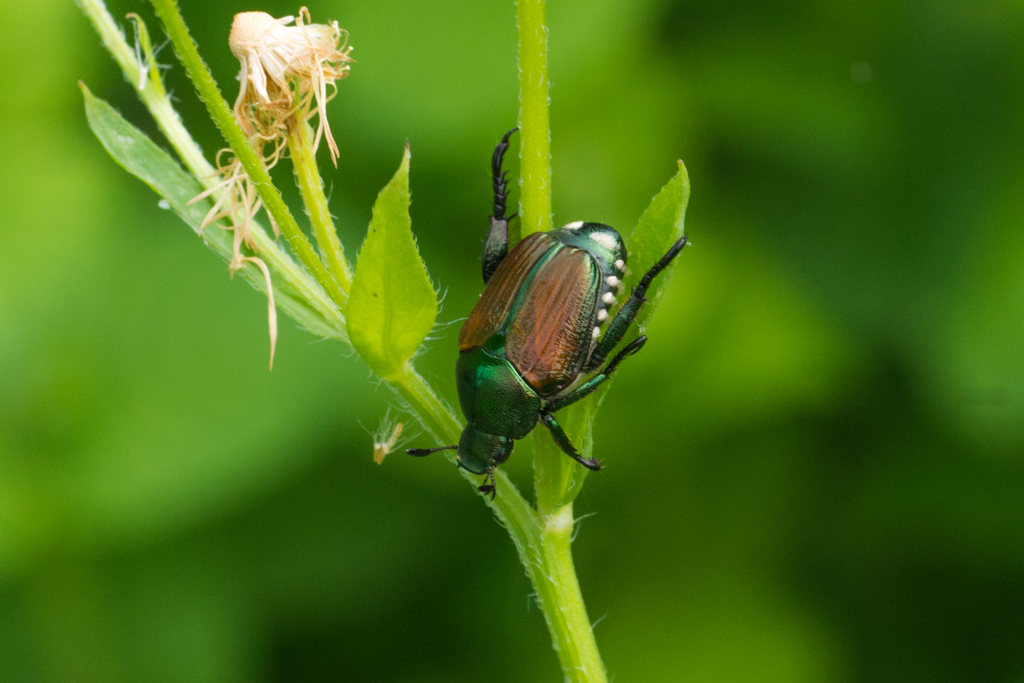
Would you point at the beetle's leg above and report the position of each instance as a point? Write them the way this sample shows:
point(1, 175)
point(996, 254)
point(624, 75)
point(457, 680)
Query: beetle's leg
point(496, 244)
point(421, 452)
point(488, 488)
point(499, 458)
point(585, 389)
point(562, 439)
point(620, 324)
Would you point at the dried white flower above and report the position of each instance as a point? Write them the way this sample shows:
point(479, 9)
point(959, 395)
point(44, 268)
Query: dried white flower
point(285, 70)
point(285, 75)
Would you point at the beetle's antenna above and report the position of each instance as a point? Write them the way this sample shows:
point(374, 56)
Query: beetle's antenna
point(421, 452)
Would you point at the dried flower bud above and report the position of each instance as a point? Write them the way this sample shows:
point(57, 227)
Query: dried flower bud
point(286, 71)
point(385, 442)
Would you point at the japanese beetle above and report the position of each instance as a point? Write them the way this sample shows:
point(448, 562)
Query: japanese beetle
point(536, 331)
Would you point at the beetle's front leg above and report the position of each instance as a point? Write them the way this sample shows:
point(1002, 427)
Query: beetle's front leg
point(627, 314)
point(491, 488)
point(562, 439)
point(499, 459)
point(496, 244)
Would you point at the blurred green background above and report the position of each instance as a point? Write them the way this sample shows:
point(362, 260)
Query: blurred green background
point(815, 468)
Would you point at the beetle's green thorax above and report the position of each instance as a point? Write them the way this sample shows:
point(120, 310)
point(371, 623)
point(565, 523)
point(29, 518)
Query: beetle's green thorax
point(494, 398)
point(602, 242)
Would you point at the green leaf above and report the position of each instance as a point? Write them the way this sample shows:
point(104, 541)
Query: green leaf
point(140, 156)
point(661, 226)
point(392, 306)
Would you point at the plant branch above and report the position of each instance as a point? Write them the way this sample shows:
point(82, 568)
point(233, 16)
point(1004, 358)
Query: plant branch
point(152, 93)
point(223, 116)
point(542, 540)
point(543, 543)
point(311, 186)
point(517, 516)
point(562, 602)
point(555, 477)
point(534, 119)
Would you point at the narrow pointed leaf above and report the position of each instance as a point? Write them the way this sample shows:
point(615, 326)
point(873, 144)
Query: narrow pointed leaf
point(661, 226)
point(392, 306)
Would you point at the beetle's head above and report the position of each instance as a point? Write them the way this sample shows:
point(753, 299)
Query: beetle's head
point(479, 451)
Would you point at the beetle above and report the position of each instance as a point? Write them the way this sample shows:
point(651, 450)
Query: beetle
point(535, 333)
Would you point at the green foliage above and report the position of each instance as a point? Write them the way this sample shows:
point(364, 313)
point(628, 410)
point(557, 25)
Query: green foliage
point(136, 153)
point(393, 305)
point(660, 226)
point(560, 480)
point(814, 466)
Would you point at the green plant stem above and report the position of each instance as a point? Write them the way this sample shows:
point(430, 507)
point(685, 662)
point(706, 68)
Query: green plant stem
point(311, 186)
point(534, 119)
point(224, 117)
point(544, 542)
point(518, 516)
point(509, 505)
point(152, 94)
point(554, 576)
point(535, 181)
point(562, 602)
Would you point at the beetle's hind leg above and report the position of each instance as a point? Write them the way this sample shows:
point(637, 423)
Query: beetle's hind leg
point(627, 314)
point(496, 244)
point(588, 387)
point(562, 439)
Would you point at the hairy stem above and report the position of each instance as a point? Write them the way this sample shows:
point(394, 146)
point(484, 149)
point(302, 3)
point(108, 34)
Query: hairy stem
point(311, 185)
point(152, 93)
point(562, 602)
point(543, 542)
point(553, 573)
point(534, 120)
point(224, 117)
point(517, 516)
